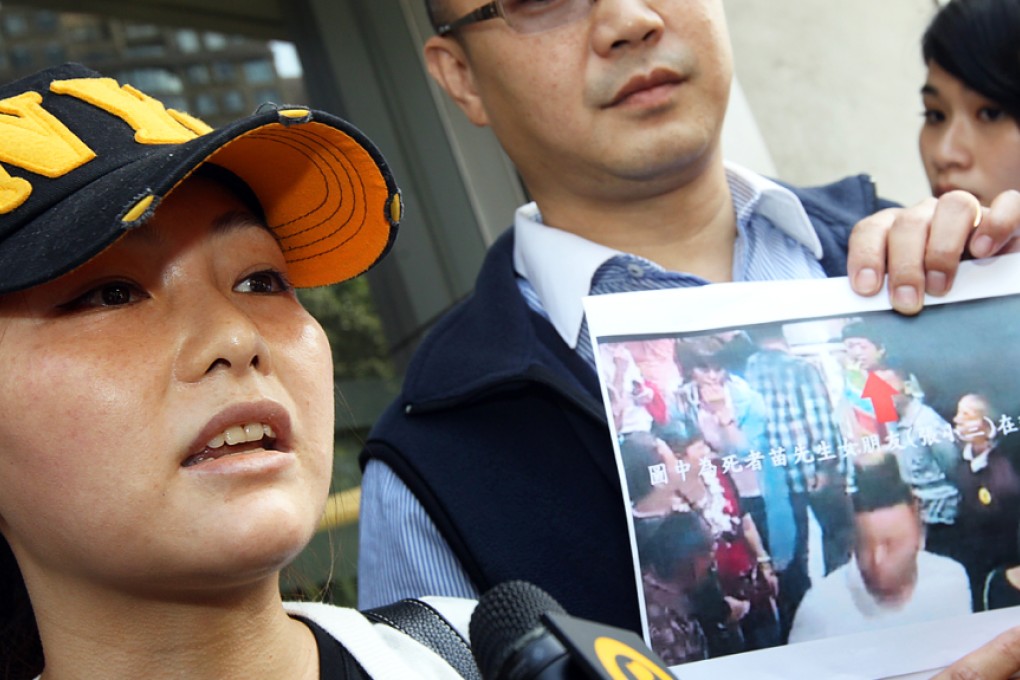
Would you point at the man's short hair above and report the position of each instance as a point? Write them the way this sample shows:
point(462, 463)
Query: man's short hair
point(681, 439)
point(677, 540)
point(879, 485)
point(639, 452)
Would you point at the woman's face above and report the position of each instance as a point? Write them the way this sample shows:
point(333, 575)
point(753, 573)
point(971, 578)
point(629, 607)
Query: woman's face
point(967, 141)
point(167, 409)
point(864, 353)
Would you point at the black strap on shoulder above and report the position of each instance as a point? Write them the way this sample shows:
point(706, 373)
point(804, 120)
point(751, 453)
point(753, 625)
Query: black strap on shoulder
point(420, 621)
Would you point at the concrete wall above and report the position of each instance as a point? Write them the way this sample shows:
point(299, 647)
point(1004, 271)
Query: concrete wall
point(834, 87)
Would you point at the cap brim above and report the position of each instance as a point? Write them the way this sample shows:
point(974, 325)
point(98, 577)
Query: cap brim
point(325, 191)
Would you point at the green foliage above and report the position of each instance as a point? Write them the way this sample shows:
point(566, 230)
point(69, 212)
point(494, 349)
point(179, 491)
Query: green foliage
point(347, 313)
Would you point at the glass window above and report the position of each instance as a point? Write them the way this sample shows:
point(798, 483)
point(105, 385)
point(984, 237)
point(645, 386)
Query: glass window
point(215, 41)
point(21, 57)
point(15, 25)
point(154, 81)
point(175, 101)
point(233, 102)
point(285, 57)
point(144, 51)
point(223, 71)
point(54, 53)
point(188, 41)
point(94, 55)
point(198, 74)
point(205, 105)
point(138, 32)
point(258, 72)
point(46, 21)
point(84, 30)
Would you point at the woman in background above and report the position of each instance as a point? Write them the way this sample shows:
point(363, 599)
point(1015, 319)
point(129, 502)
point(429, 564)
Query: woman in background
point(970, 138)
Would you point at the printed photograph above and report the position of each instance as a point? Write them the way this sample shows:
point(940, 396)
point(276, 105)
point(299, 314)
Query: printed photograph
point(801, 480)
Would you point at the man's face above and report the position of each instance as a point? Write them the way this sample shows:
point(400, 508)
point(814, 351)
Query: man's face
point(627, 99)
point(888, 540)
point(970, 420)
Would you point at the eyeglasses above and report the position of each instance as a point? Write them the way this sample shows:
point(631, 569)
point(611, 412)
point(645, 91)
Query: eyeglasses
point(523, 16)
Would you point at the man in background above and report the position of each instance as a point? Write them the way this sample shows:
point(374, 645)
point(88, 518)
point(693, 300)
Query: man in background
point(891, 580)
point(496, 461)
point(802, 429)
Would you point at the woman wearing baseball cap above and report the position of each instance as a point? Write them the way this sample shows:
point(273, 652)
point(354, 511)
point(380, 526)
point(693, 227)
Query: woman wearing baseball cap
point(166, 404)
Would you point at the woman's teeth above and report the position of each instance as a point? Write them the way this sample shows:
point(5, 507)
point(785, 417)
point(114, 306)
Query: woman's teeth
point(240, 434)
point(232, 436)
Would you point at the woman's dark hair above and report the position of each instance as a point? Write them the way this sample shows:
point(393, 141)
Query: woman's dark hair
point(20, 649)
point(699, 352)
point(868, 330)
point(978, 43)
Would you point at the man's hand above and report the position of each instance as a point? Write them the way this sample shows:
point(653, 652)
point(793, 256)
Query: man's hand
point(920, 247)
point(997, 660)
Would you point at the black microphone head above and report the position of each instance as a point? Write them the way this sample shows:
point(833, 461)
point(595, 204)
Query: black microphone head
point(504, 615)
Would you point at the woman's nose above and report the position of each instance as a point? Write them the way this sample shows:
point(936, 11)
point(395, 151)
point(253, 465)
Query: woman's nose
point(220, 336)
point(953, 148)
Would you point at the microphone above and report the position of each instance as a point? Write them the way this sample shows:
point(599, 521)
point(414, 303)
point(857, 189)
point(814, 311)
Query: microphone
point(520, 632)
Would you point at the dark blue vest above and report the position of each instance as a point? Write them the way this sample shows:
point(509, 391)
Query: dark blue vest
point(501, 434)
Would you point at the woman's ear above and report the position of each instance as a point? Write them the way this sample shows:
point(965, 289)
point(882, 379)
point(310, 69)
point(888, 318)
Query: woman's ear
point(447, 63)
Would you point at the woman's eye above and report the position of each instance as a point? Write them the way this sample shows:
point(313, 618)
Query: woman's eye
point(112, 294)
point(990, 114)
point(933, 116)
point(263, 283)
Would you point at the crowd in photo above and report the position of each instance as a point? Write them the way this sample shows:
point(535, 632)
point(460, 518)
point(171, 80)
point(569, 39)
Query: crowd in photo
point(791, 482)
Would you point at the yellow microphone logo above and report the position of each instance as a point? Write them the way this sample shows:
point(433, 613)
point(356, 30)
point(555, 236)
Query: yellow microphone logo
point(623, 662)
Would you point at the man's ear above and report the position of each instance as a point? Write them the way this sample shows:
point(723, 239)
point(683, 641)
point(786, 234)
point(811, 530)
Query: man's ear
point(448, 65)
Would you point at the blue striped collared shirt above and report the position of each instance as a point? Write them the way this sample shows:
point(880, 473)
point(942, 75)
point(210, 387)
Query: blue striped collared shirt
point(401, 553)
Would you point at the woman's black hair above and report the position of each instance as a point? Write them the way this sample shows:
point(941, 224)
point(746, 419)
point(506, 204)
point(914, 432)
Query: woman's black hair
point(978, 43)
point(21, 654)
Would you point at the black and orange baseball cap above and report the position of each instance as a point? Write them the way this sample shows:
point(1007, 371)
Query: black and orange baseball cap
point(84, 159)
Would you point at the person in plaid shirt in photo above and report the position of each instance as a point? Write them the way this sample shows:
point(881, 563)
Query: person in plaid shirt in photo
point(803, 433)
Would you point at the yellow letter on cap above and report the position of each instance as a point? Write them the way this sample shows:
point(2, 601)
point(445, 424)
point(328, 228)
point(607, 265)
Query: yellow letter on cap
point(36, 141)
point(152, 123)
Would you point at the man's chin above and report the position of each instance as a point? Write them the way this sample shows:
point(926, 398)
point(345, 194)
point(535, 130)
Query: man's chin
point(889, 597)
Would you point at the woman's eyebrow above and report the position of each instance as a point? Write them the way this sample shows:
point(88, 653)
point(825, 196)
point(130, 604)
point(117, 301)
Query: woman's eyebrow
point(237, 219)
point(230, 220)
